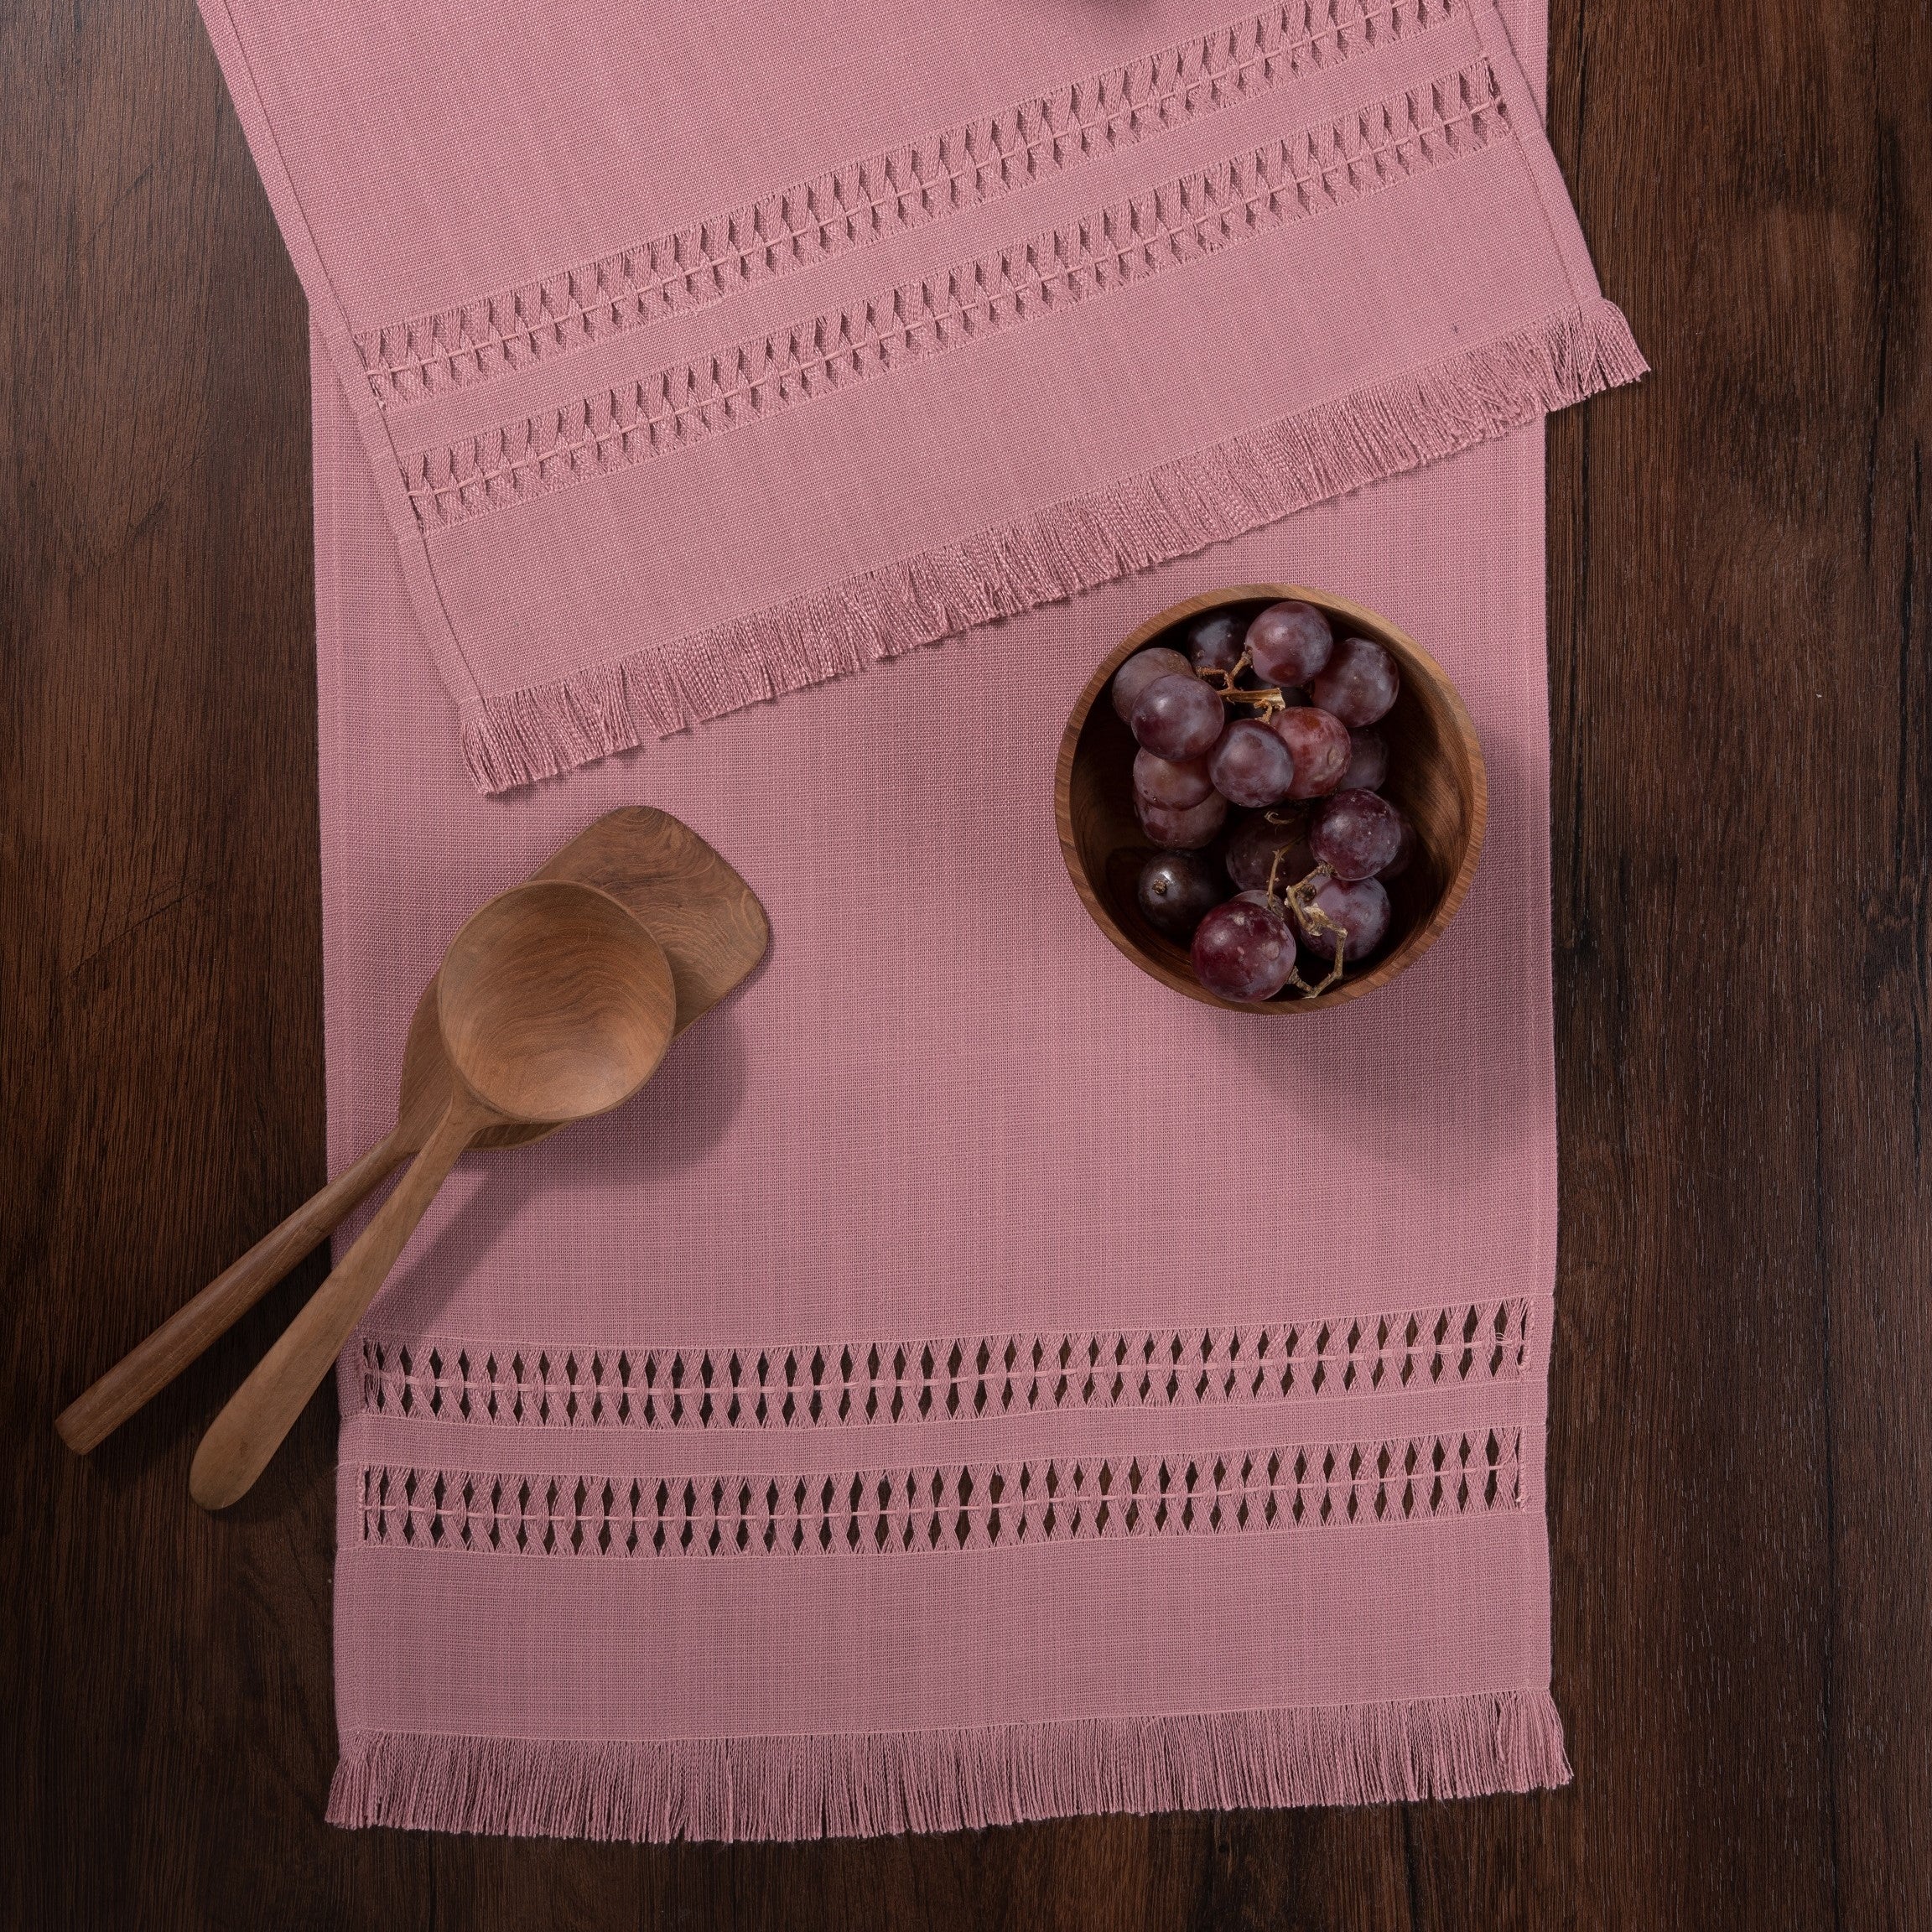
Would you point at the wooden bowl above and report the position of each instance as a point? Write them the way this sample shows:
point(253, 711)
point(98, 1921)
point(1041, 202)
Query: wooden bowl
point(1435, 775)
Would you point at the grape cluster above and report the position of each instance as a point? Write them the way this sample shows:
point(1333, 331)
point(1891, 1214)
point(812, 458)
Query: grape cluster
point(1275, 716)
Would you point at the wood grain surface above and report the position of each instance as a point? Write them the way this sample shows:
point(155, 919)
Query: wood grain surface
point(1741, 1470)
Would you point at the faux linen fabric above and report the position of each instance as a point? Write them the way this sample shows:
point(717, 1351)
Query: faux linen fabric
point(970, 1383)
point(700, 354)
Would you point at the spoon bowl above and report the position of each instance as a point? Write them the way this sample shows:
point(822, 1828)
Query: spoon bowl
point(554, 1002)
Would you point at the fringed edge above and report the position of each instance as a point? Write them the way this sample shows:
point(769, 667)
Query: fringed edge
point(514, 738)
point(863, 1785)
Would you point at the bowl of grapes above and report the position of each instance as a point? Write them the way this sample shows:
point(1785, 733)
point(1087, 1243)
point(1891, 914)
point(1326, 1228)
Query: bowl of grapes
point(1270, 799)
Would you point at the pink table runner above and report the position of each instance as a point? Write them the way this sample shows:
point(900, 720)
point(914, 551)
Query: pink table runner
point(696, 362)
point(970, 1384)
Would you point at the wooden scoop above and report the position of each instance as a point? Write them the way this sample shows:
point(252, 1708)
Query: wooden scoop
point(713, 931)
point(554, 1004)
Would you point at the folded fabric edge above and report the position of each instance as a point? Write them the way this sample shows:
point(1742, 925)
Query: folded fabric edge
point(866, 1784)
point(514, 738)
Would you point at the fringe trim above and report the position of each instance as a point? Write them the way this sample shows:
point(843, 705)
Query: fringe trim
point(862, 1786)
point(514, 738)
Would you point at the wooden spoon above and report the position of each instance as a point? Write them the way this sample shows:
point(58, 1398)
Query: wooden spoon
point(554, 1004)
point(714, 931)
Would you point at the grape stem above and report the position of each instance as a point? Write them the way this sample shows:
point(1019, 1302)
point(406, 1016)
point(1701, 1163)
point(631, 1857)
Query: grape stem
point(1264, 697)
point(1298, 901)
point(1295, 902)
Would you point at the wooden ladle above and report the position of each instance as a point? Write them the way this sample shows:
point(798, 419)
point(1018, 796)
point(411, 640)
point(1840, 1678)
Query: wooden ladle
point(554, 1004)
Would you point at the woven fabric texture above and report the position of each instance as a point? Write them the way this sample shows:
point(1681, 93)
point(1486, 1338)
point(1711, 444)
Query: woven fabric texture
point(970, 1383)
point(701, 359)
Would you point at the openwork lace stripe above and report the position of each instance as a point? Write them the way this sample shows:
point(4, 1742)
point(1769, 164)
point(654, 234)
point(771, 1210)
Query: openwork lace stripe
point(1307, 174)
point(815, 1384)
point(881, 195)
point(979, 1506)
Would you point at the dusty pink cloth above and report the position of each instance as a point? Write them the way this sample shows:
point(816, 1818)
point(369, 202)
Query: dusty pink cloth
point(699, 355)
point(970, 1383)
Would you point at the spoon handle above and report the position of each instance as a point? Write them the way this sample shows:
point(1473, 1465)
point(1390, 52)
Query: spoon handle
point(147, 1368)
point(243, 1437)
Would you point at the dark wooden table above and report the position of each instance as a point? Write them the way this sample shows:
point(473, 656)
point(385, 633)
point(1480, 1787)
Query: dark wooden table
point(1741, 1470)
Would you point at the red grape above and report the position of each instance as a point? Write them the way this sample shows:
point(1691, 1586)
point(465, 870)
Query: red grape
point(1250, 766)
point(1244, 950)
point(1214, 640)
point(1368, 762)
point(1359, 906)
point(1288, 643)
point(1318, 743)
point(1359, 684)
point(1139, 672)
point(1404, 852)
point(1357, 835)
point(1182, 828)
point(1161, 783)
point(1177, 716)
point(1177, 890)
point(1251, 851)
